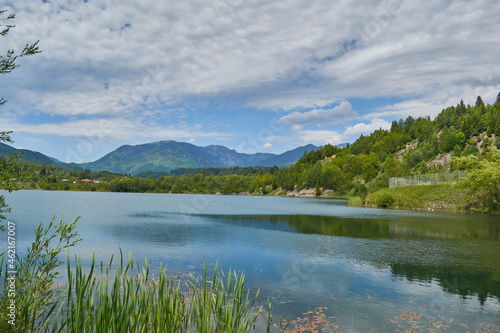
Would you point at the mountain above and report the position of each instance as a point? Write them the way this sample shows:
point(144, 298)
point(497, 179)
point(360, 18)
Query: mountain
point(30, 156)
point(164, 156)
point(287, 158)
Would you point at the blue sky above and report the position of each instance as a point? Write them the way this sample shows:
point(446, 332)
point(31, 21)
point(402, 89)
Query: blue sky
point(255, 76)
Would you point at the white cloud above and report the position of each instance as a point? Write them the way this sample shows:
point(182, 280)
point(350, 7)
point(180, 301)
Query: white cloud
point(434, 103)
point(374, 124)
point(268, 145)
point(321, 137)
point(338, 114)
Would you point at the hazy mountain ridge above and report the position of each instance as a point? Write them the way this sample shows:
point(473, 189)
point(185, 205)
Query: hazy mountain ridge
point(164, 156)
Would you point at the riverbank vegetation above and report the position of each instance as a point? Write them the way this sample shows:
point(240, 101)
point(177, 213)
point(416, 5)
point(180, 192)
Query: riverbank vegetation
point(479, 191)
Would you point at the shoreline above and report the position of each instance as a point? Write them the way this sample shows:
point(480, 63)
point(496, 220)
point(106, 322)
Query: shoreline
point(436, 198)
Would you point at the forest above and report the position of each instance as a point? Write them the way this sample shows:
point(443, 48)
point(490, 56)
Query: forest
point(460, 137)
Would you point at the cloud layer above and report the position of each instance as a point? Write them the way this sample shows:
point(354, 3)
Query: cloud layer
point(134, 61)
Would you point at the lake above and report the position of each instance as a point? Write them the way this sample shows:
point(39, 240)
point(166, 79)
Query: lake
point(357, 269)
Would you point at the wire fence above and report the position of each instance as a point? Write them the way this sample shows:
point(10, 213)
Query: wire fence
point(428, 179)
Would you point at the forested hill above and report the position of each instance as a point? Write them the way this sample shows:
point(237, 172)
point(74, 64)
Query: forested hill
point(411, 146)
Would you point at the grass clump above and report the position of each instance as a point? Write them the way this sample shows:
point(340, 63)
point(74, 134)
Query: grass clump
point(131, 302)
point(355, 201)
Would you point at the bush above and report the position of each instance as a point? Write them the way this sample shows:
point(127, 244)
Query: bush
point(384, 199)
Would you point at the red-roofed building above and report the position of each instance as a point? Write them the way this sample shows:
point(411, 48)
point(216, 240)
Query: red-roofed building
point(83, 181)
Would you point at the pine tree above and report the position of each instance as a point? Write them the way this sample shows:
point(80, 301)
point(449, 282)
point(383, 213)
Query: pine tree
point(461, 109)
point(479, 101)
point(466, 127)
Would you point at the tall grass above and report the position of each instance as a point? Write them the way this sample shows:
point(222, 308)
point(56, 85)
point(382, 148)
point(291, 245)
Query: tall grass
point(129, 298)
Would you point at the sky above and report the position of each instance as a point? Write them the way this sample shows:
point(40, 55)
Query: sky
point(253, 75)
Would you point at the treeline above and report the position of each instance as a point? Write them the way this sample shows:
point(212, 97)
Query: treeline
point(208, 180)
point(410, 146)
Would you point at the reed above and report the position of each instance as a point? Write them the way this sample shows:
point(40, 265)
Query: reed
point(134, 301)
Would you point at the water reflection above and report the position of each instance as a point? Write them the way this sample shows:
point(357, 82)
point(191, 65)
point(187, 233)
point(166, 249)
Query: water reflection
point(434, 227)
point(463, 258)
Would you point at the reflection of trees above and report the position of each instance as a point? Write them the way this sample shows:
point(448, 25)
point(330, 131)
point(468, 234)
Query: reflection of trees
point(456, 280)
point(372, 228)
point(475, 270)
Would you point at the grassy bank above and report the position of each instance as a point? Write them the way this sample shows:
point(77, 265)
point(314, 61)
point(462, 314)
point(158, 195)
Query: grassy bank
point(445, 197)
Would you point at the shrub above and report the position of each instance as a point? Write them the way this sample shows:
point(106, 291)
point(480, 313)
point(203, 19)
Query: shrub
point(384, 199)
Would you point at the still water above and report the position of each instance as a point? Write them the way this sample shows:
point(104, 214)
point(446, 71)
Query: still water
point(323, 264)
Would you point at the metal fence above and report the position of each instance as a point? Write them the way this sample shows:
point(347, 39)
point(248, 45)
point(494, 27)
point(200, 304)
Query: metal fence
point(428, 179)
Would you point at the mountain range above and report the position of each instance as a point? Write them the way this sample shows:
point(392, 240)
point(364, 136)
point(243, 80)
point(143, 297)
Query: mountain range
point(165, 156)
point(169, 155)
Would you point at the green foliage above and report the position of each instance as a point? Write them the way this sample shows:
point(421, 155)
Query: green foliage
point(134, 301)
point(483, 182)
point(36, 297)
point(8, 61)
point(424, 130)
point(355, 201)
point(384, 199)
point(450, 138)
point(428, 197)
point(8, 174)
